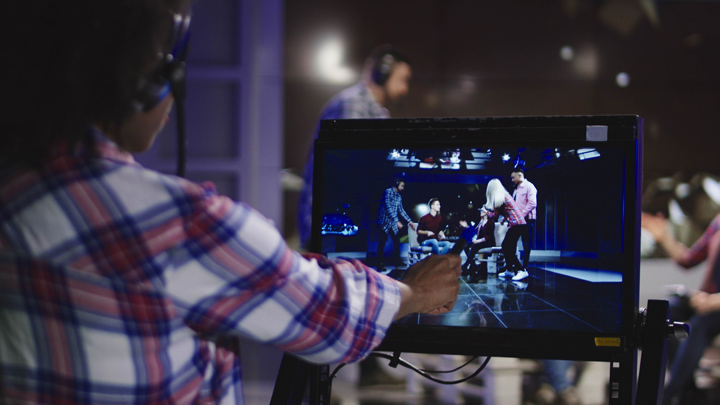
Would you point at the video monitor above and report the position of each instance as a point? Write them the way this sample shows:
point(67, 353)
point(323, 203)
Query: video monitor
point(579, 299)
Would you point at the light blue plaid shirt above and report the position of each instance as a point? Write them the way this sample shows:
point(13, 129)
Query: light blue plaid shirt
point(352, 103)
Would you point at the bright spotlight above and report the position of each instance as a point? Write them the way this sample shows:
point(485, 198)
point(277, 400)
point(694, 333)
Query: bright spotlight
point(567, 53)
point(683, 191)
point(712, 189)
point(586, 62)
point(622, 79)
point(677, 216)
point(505, 158)
point(421, 210)
point(329, 62)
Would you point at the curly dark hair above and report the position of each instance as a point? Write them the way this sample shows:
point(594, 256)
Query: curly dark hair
point(67, 64)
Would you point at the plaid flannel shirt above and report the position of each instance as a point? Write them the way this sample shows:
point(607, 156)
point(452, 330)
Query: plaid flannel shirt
point(355, 102)
point(119, 284)
point(391, 210)
point(509, 211)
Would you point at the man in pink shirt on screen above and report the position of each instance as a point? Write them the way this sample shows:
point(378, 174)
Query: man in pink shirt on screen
point(525, 195)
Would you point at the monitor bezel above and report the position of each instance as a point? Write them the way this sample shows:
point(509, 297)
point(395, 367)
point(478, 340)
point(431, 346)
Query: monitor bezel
point(622, 131)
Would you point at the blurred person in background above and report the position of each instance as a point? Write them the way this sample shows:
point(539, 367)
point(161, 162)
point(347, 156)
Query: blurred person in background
point(385, 79)
point(702, 307)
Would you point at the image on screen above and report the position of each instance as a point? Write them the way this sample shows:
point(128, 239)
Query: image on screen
point(574, 248)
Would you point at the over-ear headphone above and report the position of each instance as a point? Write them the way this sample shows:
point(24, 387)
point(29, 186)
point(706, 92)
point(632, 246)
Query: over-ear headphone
point(397, 181)
point(382, 68)
point(170, 74)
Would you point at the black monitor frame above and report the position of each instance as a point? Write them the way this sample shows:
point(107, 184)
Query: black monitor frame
point(622, 133)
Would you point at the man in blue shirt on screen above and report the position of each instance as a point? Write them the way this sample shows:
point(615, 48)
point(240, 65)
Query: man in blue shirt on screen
point(389, 215)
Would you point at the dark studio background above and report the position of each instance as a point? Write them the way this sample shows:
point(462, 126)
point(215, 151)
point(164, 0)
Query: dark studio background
point(568, 190)
point(503, 58)
point(255, 89)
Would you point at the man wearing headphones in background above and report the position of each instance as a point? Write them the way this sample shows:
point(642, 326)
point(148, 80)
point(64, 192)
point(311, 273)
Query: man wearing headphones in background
point(119, 284)
point(385, 79)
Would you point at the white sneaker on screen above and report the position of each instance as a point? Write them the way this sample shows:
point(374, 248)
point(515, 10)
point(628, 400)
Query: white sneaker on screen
point(521, 275)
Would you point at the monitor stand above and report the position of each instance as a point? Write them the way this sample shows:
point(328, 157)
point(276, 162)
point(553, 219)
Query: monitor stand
point(653, 327)
point(293, 378)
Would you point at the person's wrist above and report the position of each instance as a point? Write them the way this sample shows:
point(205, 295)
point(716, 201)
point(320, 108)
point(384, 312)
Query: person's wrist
point(663, 238)
point(714, 302)
point(408, 301)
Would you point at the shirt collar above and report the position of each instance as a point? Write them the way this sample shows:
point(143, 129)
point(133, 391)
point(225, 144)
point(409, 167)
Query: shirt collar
point(105, 148)
point(368, 97)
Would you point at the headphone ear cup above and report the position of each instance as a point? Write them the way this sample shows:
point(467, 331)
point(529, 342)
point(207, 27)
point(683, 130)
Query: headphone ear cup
point(382, 69)
point(170, 74)
point(151, 91)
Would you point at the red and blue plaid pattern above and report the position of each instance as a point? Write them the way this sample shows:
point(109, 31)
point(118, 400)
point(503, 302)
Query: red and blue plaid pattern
point(116, 283)
point(509, 211)
point(699, 250)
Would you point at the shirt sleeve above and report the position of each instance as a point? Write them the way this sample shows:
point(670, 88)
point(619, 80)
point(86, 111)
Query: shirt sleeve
point(699, 250)
point(404, 214)
point(236, 275)
point(531, 196)
point(512, 213)
point(391, 206)
point(422, 226)
point(493, 214)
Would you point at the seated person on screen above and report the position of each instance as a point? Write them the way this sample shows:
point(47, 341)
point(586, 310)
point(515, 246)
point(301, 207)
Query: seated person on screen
point(483, 238)
point(430, 227)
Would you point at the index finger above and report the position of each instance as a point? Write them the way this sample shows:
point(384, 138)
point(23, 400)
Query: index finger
point(454, 263)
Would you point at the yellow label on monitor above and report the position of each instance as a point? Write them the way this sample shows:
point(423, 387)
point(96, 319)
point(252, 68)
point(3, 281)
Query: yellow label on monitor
point(607, 341)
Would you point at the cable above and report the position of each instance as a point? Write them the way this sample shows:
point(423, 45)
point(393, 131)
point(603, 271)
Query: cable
point(181, 138)
point(177, 87)
point(337, 369)
point(430, 377)
point(453, 370)
point(426, 373)
point(177, 78)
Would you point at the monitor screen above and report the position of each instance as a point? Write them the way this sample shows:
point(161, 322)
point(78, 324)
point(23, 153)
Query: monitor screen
point(578, 247)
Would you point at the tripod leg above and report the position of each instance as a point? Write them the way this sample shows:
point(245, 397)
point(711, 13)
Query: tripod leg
point(654, 353)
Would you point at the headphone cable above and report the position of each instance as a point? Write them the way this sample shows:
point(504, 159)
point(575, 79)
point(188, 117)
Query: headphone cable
point(177, 87)
point(181, 137)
